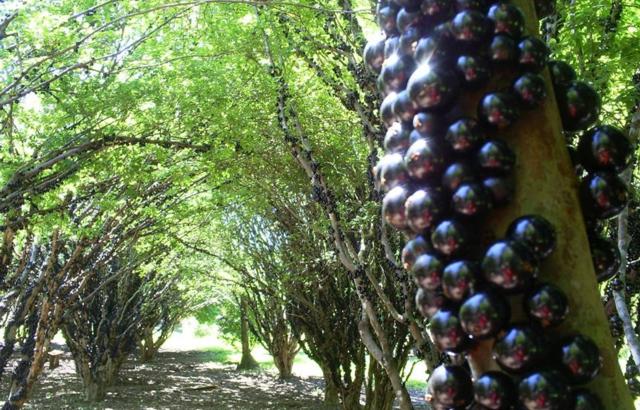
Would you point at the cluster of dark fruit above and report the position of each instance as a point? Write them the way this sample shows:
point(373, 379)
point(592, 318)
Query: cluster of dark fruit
point(601, 154)
point(442, 171)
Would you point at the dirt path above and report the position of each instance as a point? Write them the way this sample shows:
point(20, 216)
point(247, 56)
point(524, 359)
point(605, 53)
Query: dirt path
point(180, 380)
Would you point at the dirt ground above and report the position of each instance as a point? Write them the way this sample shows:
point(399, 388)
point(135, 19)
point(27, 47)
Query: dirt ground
point(181, 380)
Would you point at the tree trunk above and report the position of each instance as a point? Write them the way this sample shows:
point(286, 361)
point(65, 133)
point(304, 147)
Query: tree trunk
point(147, 346)
point(547, 185)
point(284, 363)
point(247, 361)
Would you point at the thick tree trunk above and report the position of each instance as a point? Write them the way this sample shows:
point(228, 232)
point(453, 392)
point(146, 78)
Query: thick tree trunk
point(146, 345)
point(547, 185)
point(283, 360)
point(247, 361)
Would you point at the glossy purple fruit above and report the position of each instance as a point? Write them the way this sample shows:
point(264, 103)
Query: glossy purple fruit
point(583, 399)
point(459, 280)
point(474, 70)
point(484, 314)
point(456, 174)
point(409, 40)
point(427, 271)
point(471, 199)
point(501, 189)
point(507, 19)
point(606, 258)
point(544, 390)
point(464, 135)
point(603, 195)
point(386, 109)
point(393, 172)
point(478, 5)
point(435, 10)
point(432, 88)
point(495, 157)
point(495, 391)
point(423, 209)
point(562, 74)
point(374, 55)
point(470, 26)
point(396, 71)
point(579, 106)
point(509, 266)
point(428, 302)
point(406, 19)
point(429, 50)
point(404, 108)
point(535, 232)
point(450, 386)
point(446, 331)
point(520, 348)
point(605, 148)
point(424, 159)
point(387, 20)
point(546, 304)
point(498, 109)
point(449, 237)
point(530, 90)
point(393, 207)
point(427, 123)
point(396, 140)
point(503, 50)
point(414, 248)
point(580, 359)
point(533, 54)
point(391, 46)
point(409, 4)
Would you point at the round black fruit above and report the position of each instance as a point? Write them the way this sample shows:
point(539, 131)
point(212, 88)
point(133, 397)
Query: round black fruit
point(606, 258)
point(533, 54)
point(414, 248)
point(495, 157)
point(580, 359)
point(509, 265)
point(427, 271)
point(393, 207)
point(432, 52)
point(605, 148)
point(495, 390)
point(450, 386)
point(426, 123)
point(478, 5)
point(546, 304)
point(475, 70)
point(535, 232)
point(435, 10)
point(464, 135)
point(396, 71)
point(404, 108)
point(424, 159)
point(530, 89)
point(459, 280)
point(397, 139)
point(603, 195)
point(498, 110)
point(520, 348)
point(374, 55)
point(501, 189)
point(562, 74)
point(428, 302)
point(470, 26)
point(583, 399)
point(387, 20)
point(456, 174)
point(507, 19)
point(392, 171)
point(424, 207)
point(484, 314)
point(386, 109)
point(471, 199)
point(407, 19)
point(449, 237)
point(544, 390)
point(579, 106)
point(432, 88)
point(446, 331)
point(503, 50)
